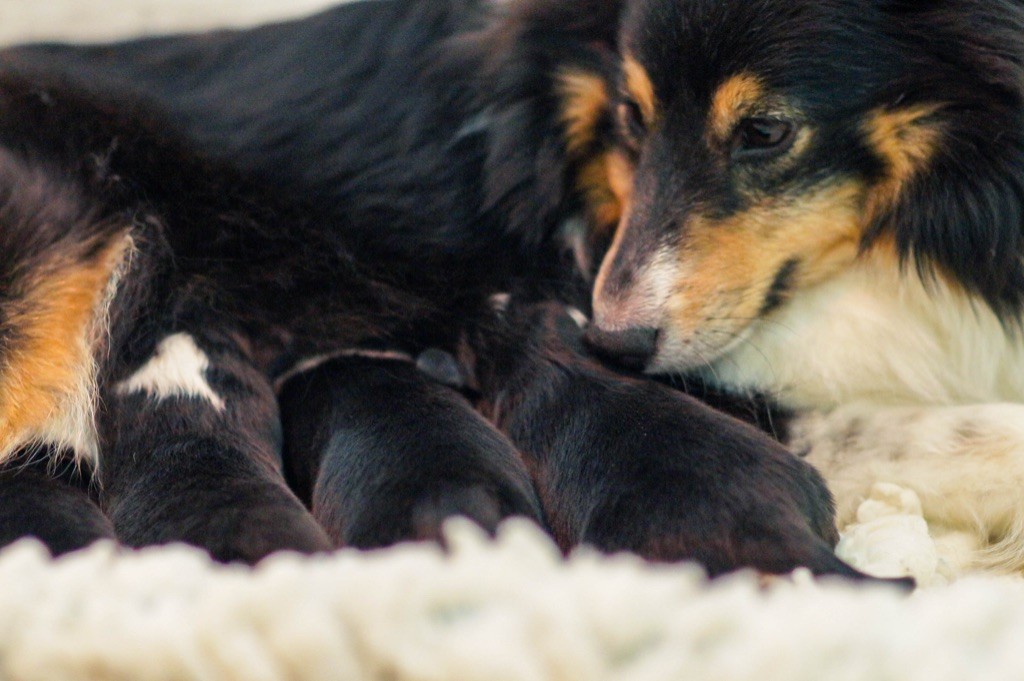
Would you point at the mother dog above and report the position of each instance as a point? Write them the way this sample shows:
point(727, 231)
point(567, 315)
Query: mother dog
point(187, 219)
point(828, 208)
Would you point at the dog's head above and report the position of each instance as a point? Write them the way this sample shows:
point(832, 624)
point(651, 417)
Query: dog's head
point(772, 144)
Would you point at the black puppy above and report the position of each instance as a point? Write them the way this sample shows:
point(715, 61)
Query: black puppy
point(302, 190)
point(629, 465)
point(382, 453)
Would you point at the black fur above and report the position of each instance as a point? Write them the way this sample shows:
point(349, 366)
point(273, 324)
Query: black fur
point(48, 498)
point(965, 215)
point(374, 481)
point(839, 60)
point(629, 465)
point(368, 178)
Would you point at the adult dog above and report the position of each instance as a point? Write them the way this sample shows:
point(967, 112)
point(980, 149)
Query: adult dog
point(186, 219)
point(828, 209)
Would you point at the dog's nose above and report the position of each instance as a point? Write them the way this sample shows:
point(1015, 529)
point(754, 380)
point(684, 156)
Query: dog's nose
point(633, 348)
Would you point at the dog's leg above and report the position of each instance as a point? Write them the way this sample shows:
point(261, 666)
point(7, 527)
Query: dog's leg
point(966, 463)
point(191, 452)
point(37, 502)
point(382, 454)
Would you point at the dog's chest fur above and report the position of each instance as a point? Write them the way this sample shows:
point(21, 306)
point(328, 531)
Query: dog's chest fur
point(893, 380)
point(882, 336)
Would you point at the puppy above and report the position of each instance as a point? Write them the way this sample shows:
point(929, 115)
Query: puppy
point(629, 465)
point(248, 201)
point(381, 453)
point(825, 205)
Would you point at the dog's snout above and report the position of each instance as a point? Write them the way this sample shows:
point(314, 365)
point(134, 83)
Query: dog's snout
point(633, 348)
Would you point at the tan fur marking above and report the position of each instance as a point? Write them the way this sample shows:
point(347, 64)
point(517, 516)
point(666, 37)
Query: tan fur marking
point(51, 355)
point(621, 172)
point(640, 88)
point(727, 266)
point(605, 177)
point(607, 183)
point(613, 250)
point(906, 142)
point(731, 101)
point(585, 99)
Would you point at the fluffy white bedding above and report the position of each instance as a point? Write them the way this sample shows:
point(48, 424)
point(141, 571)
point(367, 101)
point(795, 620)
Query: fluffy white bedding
point(507, 612)
point(22, 20)
point(499, 612)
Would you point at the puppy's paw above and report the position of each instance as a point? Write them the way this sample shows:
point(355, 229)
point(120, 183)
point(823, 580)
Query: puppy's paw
point(253, 529)
point(444, 368)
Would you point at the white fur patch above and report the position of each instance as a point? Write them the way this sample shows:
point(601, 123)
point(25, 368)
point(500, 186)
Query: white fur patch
point(965, 463)
point(898, 382)
point(176, 369)
point(577, 315)
point(501, 301)
point(575, 233)
point(476, 125)
point(643, 303)
point(874, 334)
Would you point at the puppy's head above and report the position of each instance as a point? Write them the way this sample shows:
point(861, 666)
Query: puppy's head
point(774, 143)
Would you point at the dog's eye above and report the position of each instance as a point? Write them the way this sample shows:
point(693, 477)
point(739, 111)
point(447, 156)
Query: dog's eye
point(762, 137)
point(631, 119)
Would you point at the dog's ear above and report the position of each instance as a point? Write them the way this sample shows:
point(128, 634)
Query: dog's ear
point(951, 143)
point(519, 53)
point(583, 84)
point(961, 213)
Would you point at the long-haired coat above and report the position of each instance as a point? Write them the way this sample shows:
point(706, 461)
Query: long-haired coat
point(189, 219)
point(825, 206)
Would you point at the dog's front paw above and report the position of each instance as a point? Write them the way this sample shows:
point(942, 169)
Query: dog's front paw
point(964, 462)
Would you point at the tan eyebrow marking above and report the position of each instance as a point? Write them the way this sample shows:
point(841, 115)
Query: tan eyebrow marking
point(731, 101)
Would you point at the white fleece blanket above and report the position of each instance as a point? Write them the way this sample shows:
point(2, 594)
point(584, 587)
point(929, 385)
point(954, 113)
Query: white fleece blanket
point(513, 611)
point(496, 612)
